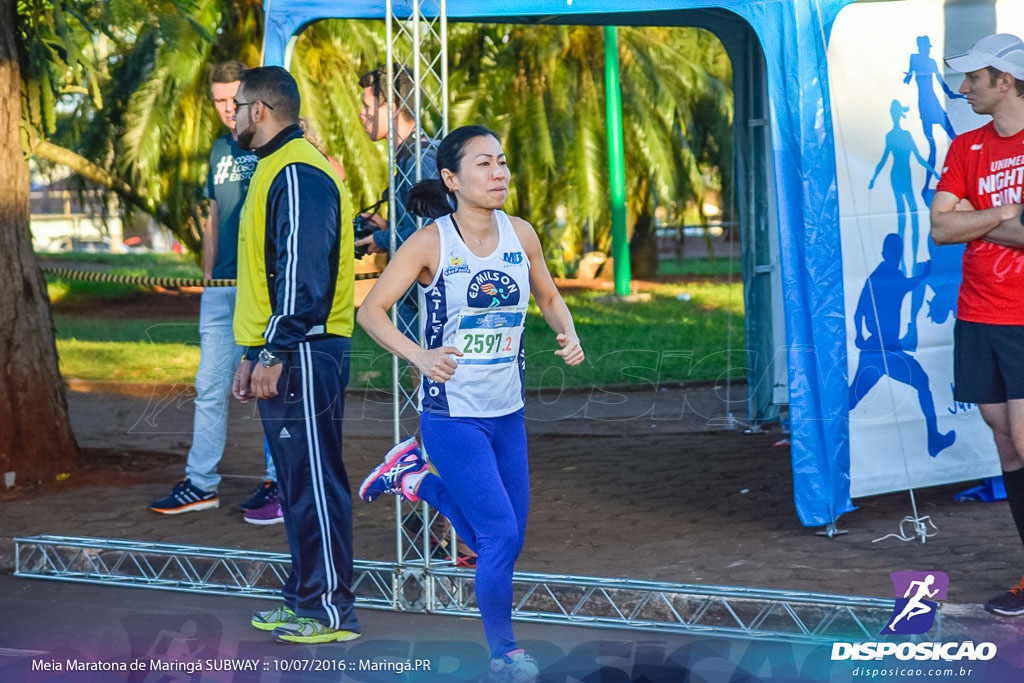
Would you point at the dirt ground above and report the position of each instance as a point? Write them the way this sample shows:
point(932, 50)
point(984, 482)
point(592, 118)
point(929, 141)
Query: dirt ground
point(647, 485)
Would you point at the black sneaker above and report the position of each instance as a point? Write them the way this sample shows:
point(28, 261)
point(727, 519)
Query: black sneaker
point(263, 495)
point(1010, 603)
point(185, 498)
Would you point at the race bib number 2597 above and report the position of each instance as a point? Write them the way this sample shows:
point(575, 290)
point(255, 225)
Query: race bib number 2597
point(487, 336)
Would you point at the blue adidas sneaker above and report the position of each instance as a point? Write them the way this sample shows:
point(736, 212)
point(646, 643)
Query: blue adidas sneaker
point(263, 495)
point(402, 460)
point(185, 498)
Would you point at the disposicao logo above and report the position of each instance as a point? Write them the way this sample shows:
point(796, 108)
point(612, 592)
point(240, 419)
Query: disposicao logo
point(917, 600)
point(917, 594)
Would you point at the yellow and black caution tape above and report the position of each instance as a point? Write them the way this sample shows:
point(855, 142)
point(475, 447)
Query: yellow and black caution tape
point(167, 282)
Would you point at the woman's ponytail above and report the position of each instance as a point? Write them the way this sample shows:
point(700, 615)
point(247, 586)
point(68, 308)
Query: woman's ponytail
point(430, 199)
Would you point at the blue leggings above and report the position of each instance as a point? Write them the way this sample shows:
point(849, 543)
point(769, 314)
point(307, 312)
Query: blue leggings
point(484, 490)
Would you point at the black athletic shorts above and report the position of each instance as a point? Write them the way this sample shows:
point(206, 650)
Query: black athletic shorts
point(988, 362)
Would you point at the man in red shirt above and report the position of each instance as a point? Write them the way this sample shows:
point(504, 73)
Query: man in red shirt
point(978, 202)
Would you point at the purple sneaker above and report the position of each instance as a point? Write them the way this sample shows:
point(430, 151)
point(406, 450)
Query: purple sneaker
point(269, 513)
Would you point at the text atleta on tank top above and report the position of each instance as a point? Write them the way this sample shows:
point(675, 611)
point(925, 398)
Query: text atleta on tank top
point(477, 304)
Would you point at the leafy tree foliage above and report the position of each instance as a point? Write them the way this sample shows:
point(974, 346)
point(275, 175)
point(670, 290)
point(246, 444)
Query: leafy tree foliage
point(118, 92)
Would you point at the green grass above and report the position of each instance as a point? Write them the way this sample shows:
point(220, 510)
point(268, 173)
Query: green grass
point(70, 291)
point(120, 331)
point(662, 340)
point(146, 261)
point(141, 362)
point(701, 266)
point(666, 339)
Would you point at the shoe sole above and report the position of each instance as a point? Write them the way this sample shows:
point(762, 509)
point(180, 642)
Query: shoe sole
point(336, 637)
point(268, 626)
point(265, 522)
point(389, 460)
point(191, 507)
point(1004, 613)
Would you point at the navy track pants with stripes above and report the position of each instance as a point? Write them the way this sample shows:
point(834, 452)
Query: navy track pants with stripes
point(303, 427)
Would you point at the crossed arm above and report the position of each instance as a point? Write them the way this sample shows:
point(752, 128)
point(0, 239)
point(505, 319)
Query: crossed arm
point(956, 221)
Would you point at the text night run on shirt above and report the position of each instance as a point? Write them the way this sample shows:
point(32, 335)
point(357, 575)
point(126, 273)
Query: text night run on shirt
point(1003, 187)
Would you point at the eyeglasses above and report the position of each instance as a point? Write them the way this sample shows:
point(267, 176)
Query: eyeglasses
point(239, 105)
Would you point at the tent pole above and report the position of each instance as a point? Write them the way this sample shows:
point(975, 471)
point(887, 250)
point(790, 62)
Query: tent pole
point(616, 160)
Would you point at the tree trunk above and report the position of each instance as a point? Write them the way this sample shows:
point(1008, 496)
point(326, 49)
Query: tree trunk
point(643, 247)
point(35, 435)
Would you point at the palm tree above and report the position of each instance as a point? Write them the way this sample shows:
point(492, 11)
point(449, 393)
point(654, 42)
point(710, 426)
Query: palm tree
point(74, 75)
point(117, 93)
point(157, 122)
point(329, 58)
point(678, 120)
point(144, 131)
point(540, 88)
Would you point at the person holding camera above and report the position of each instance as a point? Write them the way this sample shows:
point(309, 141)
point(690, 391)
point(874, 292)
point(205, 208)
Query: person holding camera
point(371, 229)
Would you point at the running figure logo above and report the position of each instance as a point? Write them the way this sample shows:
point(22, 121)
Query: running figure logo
point(492, 288)
point(915, 612)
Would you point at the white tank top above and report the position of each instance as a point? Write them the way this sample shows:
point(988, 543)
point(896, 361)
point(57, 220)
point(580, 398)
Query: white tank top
point(477, 304)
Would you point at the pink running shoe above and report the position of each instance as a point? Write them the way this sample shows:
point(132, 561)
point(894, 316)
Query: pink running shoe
point(402, 460)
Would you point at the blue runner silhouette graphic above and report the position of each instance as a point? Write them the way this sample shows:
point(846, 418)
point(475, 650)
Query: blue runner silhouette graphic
point(923, 69)
point(881, 351)
point(900, 145)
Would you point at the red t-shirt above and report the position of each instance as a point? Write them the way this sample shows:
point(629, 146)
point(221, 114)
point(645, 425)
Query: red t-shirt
point(988, 170)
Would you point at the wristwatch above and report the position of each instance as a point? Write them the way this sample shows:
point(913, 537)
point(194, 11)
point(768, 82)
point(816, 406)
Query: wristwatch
point(267, 359)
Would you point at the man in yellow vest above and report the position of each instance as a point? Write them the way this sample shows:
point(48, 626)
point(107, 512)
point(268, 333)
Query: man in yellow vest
point(294, 313)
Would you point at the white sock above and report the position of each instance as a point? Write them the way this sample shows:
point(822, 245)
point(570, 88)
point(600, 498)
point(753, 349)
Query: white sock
point(411, 481)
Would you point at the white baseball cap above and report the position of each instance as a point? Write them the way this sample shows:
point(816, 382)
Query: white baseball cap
point(1004, 51)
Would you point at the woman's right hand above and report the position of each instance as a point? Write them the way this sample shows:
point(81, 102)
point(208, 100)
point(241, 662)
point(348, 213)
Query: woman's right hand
point(437, 364)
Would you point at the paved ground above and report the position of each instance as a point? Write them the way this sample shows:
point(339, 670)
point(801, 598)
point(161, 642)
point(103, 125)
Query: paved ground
point(59, 624)
point(207, 638)
point(638, 484)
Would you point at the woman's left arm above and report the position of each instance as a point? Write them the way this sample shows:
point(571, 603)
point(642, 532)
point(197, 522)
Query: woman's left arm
point(551, 304)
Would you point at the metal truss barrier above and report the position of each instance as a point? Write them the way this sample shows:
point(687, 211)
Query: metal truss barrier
point(545, 598)
point(417, 38)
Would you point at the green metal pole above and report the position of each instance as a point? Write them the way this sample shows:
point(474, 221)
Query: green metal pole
point(616, 160)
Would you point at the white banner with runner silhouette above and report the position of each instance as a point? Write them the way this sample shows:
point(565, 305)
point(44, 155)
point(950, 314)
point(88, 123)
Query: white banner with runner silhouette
point(895, 109)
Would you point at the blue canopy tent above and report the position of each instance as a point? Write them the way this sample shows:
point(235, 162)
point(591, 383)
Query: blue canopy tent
point(780, 79)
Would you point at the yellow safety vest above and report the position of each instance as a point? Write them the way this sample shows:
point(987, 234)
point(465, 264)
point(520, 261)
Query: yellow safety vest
point(252, 303)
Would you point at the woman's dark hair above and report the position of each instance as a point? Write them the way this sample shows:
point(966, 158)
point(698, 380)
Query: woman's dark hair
point(431, 198)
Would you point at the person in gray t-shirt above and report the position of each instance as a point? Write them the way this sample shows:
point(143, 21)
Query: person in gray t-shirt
point(227, 182)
